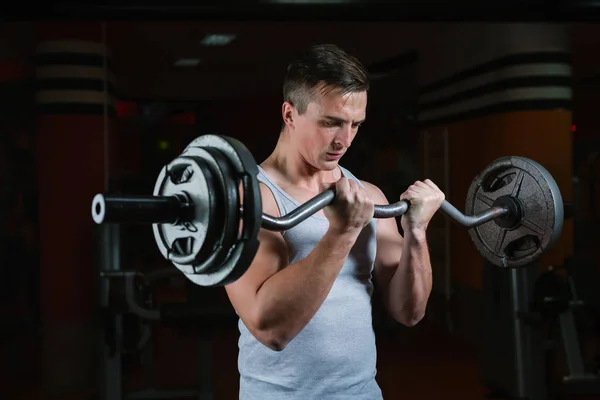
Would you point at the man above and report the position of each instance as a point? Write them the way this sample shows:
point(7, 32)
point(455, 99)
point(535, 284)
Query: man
point(305, 302)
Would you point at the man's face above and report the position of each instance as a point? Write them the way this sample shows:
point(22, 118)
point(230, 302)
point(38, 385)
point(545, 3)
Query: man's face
point(326, 130)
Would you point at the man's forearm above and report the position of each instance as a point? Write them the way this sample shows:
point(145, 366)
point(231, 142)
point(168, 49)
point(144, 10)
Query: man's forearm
point(410, 287)
point(288, 300)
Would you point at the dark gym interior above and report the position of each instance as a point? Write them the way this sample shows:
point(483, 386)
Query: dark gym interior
point(102, 105)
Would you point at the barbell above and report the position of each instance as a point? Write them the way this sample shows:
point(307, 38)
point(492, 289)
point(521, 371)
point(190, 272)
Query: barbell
point(209, 230)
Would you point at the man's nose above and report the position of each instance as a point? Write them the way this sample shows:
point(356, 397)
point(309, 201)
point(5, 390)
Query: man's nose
point(344, 138)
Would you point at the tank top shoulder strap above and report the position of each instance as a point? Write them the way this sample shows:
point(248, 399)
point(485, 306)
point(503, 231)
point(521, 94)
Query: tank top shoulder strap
point(284, 202)
point(350, 175)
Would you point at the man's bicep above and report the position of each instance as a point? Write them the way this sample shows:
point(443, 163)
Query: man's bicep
point(270, 258)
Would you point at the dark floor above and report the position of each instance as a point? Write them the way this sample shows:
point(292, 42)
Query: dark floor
point(415, 363)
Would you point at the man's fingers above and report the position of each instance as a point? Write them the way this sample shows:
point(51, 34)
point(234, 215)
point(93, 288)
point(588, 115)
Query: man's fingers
point(327, 185)
point(353, 186)
point(424, 187)
point(426, 183)
point(409, 194)
point(342, 188)
point(431, 184)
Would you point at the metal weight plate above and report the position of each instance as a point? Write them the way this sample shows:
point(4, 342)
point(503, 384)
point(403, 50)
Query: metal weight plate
point(536, 222)
point(182, 242)
point(230, 205)
point(249, 211)
point(226, 210)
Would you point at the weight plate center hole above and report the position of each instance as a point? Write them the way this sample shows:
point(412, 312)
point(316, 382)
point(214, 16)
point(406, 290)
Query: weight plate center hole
point(515, 212)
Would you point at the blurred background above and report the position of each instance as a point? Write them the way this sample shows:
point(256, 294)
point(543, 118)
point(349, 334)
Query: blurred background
point(92, 106)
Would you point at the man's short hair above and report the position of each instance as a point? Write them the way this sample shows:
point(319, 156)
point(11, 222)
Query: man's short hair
point(325, 67)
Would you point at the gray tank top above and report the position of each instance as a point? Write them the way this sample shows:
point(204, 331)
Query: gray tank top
point(334, 356)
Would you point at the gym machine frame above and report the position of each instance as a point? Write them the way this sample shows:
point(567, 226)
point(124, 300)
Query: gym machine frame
point(119, 294)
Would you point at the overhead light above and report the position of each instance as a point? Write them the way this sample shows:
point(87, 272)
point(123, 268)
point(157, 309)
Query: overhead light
point(187, 62)
point(218, 39)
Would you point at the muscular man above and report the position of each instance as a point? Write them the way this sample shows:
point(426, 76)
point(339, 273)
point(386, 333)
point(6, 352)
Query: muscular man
point(305, 302)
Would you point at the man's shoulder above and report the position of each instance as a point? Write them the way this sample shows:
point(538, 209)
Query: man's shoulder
point(374, 192)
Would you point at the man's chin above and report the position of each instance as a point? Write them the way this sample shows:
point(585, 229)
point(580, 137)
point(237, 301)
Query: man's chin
point(329, 165)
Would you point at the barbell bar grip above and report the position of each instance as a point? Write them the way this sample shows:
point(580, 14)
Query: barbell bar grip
point(171, 209)
point(471, 221)
point(319, 202)
point(397, 209)
point(301, 213)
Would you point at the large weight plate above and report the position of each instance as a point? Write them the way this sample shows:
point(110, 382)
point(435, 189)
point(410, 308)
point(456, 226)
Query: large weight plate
point(226, 208)
point(182, 242)
point(244, 216)
point(541, 211)
point(224, 212)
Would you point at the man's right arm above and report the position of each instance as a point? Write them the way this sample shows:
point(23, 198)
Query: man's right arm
point(276, 300)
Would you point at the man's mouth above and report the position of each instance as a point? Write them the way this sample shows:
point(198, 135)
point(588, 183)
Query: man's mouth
point(335, 155)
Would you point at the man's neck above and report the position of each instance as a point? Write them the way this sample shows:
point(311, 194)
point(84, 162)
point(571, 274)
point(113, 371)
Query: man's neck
point(291, 168)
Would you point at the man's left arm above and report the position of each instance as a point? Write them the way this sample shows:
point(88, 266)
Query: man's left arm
point(402, 265)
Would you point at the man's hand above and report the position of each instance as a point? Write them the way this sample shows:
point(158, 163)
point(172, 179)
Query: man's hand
point(425, 199)
point(351, 210)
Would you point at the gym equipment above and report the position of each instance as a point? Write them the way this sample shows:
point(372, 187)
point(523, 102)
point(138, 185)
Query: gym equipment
point(536, 214)
point(128, 296)
point(512, 362)
point(209, 230)
point(527, 316)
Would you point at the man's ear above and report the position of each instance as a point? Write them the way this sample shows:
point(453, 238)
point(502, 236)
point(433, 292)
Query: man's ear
point(287, 113)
